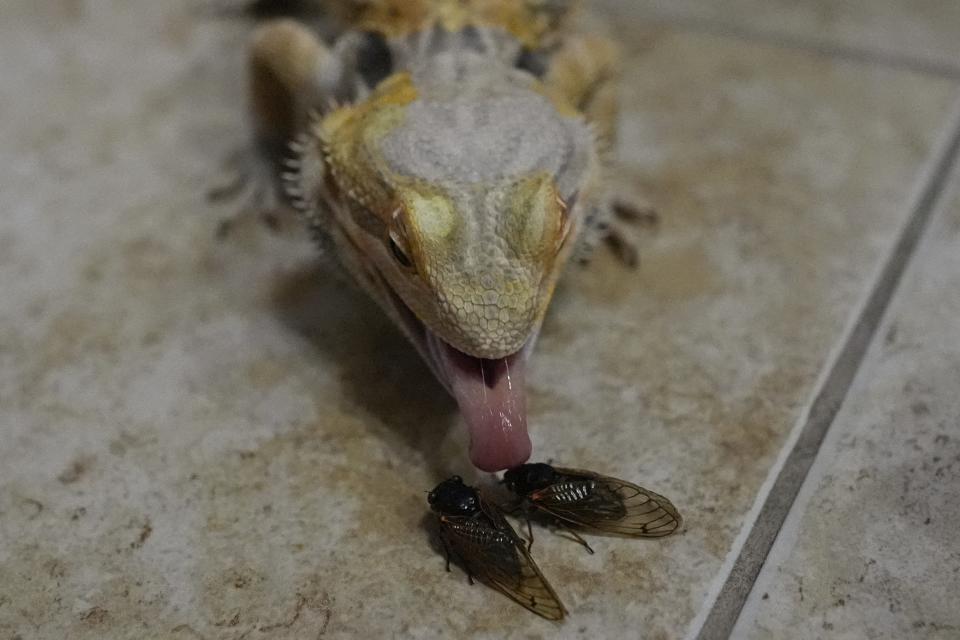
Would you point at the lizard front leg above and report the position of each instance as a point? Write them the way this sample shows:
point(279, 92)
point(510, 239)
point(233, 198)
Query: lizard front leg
point(291, 72)
point(585, 72)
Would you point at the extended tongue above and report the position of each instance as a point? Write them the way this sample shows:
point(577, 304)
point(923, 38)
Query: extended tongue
point(492, 398)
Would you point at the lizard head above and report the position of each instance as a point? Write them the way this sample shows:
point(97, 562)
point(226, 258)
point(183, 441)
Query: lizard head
point(479, 259)
point(457, 213)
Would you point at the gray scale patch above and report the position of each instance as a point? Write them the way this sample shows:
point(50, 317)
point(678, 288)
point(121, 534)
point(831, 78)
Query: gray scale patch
point(467, 141)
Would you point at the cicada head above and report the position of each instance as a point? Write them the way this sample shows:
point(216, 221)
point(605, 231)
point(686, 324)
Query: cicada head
point(528, 478)
point(453, 498)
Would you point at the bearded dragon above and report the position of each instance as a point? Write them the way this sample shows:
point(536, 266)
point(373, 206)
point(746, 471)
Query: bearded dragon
point(450, 155)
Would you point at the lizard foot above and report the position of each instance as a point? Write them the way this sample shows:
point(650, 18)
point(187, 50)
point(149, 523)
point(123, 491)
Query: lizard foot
point(633, 214)
point(615, 229)
point(249, 180)
point(636, 213)
point(623, 247)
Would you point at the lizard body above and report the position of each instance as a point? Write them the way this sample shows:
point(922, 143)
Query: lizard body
point(457, 175)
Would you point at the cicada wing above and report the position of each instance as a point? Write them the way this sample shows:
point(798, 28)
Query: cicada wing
point(607, 505)
point(498, 558)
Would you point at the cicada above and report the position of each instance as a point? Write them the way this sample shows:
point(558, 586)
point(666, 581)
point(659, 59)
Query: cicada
point(476, 532)
point(591, 502)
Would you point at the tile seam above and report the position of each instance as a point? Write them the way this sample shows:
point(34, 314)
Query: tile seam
point(729, 593)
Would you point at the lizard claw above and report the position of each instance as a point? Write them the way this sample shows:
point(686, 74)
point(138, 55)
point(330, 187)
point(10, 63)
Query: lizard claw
point(640, 214)
point(251, 183)
point(611, 224)
point(232, 182)
point(623, 248)
point(633, 213)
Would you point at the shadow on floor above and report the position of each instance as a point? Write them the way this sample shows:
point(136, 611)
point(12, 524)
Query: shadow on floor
point(380, 371)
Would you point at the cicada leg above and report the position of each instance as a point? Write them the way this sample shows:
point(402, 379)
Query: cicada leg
point(530, 535)
point(576, 537)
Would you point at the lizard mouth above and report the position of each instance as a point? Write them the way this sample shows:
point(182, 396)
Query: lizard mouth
point(491, 394)
point(492, 397)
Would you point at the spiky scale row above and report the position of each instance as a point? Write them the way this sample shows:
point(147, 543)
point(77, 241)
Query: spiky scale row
point(330, 169)
point(292, 184)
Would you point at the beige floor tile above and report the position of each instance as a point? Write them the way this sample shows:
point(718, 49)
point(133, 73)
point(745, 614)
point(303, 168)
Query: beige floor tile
point(870, 550)
point(925, 31)
point(216, 439)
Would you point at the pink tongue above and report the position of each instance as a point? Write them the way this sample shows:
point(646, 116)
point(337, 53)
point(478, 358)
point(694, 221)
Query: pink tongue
point(493, 401)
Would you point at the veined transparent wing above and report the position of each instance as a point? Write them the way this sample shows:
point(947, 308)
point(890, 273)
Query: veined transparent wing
point(607, 505)
point(496, 556)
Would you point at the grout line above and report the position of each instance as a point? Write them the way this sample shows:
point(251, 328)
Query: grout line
point(907, 62)
point(741, 569)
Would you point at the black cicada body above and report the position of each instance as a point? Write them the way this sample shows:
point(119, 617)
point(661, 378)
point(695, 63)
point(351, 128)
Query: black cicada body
point(476, 532)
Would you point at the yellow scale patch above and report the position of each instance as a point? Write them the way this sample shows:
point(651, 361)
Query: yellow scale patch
point(398, 18)
point(346, 130)
point(350, 135)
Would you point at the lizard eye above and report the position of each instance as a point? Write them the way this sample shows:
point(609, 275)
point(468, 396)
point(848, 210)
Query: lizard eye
point(565, 222)
point(396, 248)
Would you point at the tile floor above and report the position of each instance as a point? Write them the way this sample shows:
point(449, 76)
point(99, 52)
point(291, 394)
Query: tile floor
point(205, 438)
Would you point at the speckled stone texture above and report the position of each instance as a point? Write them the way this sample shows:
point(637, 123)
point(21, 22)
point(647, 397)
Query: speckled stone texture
point(922, 32)
point(870, 549)
point(219, 439)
